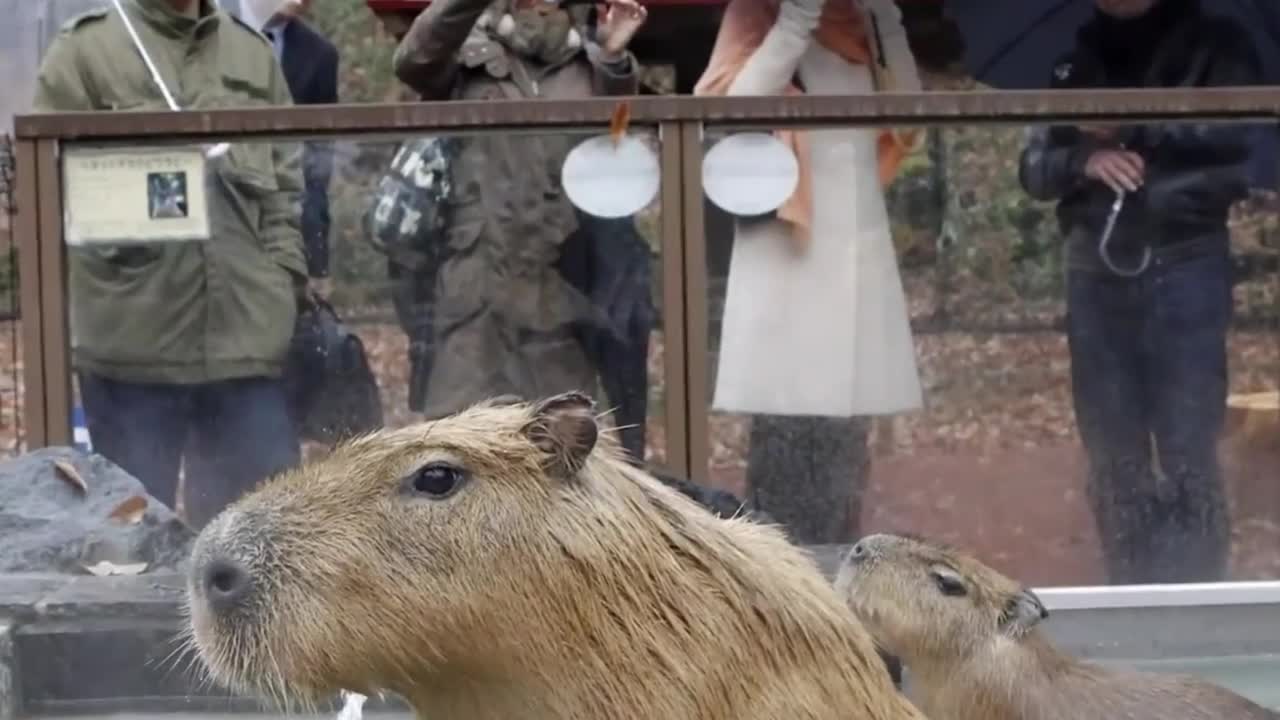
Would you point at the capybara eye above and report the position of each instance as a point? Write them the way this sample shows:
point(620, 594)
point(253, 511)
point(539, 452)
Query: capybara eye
point(949, 584)
point(437, 480)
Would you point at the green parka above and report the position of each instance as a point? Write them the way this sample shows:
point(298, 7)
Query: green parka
point(185, 312)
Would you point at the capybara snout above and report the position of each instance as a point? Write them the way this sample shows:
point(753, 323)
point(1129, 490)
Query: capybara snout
point(225, 584)
point(313, 573)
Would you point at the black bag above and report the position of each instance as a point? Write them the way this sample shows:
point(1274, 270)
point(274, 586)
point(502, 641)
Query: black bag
point(331, 389)
point(408, 216)
point(406, 222)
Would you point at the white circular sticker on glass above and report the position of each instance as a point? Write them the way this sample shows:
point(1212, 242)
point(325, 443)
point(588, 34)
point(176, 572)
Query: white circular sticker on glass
point(750, 173)
point(611, 179)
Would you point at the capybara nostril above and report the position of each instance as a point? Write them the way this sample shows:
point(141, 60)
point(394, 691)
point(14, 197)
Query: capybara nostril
point(858, 552)
point(226, 584)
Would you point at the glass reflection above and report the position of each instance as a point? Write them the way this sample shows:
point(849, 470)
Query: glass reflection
point(1078, 426)
point(200, 382)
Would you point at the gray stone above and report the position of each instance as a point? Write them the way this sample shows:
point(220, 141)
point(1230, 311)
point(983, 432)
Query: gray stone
point(148, 596)
point(50, 526)
point(10, 702)
point(21, 594)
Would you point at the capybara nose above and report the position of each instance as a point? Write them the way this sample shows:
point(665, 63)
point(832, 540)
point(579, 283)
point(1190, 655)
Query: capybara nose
point(858, 552)
point(226, 584)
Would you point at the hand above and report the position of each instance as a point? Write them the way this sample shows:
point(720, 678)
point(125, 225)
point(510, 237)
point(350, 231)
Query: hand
point(321, 286)
point(1119, 169)
point(620, 22)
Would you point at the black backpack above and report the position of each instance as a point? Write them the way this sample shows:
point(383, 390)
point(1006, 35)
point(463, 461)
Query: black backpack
point(330, 388)
point(406, 222)
point(408, 216)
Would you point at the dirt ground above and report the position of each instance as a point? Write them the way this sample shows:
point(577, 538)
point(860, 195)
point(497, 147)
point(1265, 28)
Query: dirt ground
point(1024, 511)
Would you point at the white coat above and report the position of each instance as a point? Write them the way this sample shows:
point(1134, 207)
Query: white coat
point(823, 331)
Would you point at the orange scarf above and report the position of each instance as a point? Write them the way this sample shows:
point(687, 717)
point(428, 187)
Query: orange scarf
point(841, 30)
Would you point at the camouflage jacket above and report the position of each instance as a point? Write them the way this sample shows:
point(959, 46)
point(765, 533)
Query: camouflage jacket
point(185, 312)
point(504, 315)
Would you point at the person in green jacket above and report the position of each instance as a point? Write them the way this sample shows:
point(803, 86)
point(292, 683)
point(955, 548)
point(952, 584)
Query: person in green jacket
point(181, 345)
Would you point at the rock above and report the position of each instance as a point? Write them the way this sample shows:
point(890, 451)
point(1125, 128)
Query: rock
point(51, 525)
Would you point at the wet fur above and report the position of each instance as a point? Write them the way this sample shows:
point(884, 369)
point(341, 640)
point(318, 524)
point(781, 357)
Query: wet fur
point(982, 656)
point(560, 582)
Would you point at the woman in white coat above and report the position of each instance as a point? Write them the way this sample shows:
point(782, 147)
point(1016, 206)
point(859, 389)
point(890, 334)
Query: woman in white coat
point(815, 331)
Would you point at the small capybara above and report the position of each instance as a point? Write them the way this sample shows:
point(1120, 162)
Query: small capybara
point(508, 562)
point(970, 640)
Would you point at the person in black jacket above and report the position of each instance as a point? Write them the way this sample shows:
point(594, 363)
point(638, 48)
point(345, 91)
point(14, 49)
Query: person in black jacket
point(1144, 211)
point(310, 64)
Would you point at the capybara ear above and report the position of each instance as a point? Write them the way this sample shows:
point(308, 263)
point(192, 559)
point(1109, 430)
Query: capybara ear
point(1023, 612)
point(564, 427)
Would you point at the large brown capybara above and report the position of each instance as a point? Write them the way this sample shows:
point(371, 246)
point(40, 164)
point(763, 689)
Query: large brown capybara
point(970, 641)
point(508, 562)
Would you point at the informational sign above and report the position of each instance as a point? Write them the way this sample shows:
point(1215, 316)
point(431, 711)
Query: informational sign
point(121, 196)
point(611, 179)
point(749, 174)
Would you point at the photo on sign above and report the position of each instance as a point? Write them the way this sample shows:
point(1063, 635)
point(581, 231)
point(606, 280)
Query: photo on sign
point(166, 195)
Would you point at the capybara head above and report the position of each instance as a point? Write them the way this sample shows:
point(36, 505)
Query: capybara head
point(924, 601)
point(387, 553)
point(507, 561)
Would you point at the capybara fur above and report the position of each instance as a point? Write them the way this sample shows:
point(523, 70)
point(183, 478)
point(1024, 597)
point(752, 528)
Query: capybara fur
point(972, 645)
point(508, 562)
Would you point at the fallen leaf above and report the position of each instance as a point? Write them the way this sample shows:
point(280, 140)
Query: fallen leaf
point(619, 122)
point(104, 569)
point(130, 511)
point(69, 473)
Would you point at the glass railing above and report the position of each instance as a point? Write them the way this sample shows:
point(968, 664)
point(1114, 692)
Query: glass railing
point(959, 332)
point(946, 333)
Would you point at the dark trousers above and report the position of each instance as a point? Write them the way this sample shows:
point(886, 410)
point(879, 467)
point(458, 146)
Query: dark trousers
point(809, 474)
point(1149, 383)
point(235, 433)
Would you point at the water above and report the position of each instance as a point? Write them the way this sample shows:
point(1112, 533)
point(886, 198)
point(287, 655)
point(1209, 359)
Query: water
point(1256, 677)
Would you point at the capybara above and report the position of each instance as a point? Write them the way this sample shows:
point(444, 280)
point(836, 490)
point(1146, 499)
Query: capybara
point(970, 640)
point(508, 562)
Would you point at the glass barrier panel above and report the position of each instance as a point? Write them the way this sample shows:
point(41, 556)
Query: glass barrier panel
point(230, 317)
point(997, 349)
point(12, 436)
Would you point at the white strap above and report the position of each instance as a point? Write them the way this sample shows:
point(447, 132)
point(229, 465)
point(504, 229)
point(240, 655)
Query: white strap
point(146, 57)
point(214, 150)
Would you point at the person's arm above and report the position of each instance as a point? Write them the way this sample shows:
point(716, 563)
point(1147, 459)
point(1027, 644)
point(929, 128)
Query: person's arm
point(770, 68)
point(318, 171)
point(614, 70)
point(613, 75)
point(60, 84)
point(280, 227)
point(1050, 166)
point(426, 58)
point(904, 75)
point(1234, 64)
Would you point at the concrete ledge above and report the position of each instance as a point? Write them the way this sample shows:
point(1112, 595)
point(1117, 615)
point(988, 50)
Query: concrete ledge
point(83, 644)
point(10, 700)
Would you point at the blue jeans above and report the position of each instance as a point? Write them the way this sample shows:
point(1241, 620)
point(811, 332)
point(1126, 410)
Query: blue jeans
point(1149, 382)
point(233, 434)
